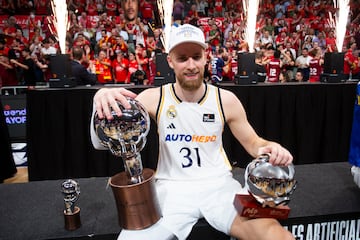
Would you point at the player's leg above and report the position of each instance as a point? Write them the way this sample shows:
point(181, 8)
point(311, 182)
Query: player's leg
point(259, 229)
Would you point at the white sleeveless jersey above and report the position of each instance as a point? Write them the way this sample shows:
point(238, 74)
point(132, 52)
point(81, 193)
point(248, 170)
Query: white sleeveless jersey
point(190, 137)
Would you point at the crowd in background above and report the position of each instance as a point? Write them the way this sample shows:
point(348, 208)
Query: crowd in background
point(291, 39)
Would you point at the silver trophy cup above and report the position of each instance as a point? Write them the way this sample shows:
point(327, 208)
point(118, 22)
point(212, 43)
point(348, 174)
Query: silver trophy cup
point(71, 191)
point(270, 185)
point(134, 191)
point(125, 137)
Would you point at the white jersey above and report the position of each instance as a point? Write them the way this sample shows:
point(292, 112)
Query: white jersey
point(190, 137)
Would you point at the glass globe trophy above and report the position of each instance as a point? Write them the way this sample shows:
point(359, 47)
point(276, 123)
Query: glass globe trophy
point(133, 189)
point(269, 189)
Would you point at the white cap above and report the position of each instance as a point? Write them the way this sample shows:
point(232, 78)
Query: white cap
point(186, 33)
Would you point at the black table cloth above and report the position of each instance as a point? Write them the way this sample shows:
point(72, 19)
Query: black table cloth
point(312, 120)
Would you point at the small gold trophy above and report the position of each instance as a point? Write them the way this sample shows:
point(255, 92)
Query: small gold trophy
point(71, 191)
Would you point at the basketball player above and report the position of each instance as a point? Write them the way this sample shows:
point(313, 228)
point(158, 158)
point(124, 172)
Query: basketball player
point(274, 68)
point(315, 66)
point(193, 177)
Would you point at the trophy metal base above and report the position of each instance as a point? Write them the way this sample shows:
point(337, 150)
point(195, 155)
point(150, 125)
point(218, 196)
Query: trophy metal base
point(247, 206)
point(137, 204)
point(72, 220)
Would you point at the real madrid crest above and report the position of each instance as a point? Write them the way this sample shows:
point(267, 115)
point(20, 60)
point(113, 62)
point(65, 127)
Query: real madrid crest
point(171, 112)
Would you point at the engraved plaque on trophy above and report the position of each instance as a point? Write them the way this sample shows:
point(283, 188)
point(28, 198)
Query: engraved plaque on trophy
point(269, 190)
point(133, 189)
point(71, 191)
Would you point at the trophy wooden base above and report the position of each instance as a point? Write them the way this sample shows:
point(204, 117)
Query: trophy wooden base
point(137, 204)
point(72, 221)
point(247, 206)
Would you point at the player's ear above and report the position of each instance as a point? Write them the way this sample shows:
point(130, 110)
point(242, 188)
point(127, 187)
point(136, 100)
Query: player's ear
point(169, 60)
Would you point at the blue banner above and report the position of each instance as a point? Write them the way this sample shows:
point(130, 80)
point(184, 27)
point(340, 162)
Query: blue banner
point(354, 154)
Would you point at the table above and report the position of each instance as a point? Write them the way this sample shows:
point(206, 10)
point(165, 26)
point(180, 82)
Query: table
point(326, 195)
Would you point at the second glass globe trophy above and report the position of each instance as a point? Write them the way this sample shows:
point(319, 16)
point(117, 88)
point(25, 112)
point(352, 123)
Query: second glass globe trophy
point(269, 188)
point(133, 189)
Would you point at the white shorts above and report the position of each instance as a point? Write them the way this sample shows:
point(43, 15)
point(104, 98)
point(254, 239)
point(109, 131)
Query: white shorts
point(183, 203)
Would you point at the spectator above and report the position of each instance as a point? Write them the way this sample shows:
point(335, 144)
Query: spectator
point(227, 69)
point(47, 49)
point(73, 22)
point(216, 66)
point(82, 75)
point(303, 63)
point(120, 67)
point(31, 25)
point(100, 5)
point(218, 8)
point(274, 68)
point(141, 32)
point(288, 65)
point(133, 65)
point(143, 60)
point(315, 66)
point(356, 68)
point(7, 72)
point(158, 42)
point(40, 67)
point(349, 60)
point(279, 9)
point(260, 68)
point(104, 39)
point(103, 68)
point(202, 6)
point(41, 7)
point(9, 30)
point(80, 40)
point(120, 44)
point(192, 16)
point(214, 36)
point(266, 38)
point(111, 8)
point(331, 42)
point(91, 8)
point(281, 39)
point(308, 43)
point(8, 7)
point(289, 47)
point(295, 43)
point(178, 11)
point(299, 77)
point(20, 36)
point(269, 26)
point(147, 10)
point(84, 21)
point(28, 66)
point(227, 33)
point(138, 77)
point(150, 43)
point(15, 52)
point(4, 50)
point(24, 7)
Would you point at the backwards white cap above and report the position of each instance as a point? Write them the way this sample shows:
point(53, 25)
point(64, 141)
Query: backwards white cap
point(186, 33)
